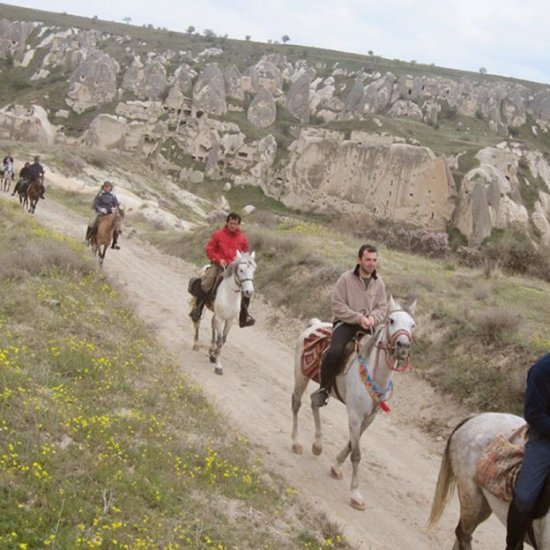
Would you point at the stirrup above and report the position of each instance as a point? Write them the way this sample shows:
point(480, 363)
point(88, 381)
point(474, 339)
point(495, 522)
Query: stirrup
point(319, 398)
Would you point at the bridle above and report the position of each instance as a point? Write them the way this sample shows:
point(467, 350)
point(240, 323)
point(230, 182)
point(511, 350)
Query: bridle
point(238, 281)
point(388, 346)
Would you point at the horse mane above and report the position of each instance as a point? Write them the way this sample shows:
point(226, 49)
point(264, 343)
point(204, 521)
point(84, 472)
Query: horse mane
point(369, 344)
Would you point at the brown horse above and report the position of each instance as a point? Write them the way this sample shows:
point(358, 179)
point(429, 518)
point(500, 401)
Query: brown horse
point(32, 195)
point(103, 235)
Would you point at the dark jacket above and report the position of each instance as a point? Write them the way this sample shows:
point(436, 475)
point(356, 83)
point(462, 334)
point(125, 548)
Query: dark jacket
point(537, 397)
point(25, 173)
point(104, 202)
point(36, 170)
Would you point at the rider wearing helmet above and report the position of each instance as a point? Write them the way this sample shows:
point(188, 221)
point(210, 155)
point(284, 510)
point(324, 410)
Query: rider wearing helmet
point(37, 173)
point(104, 203)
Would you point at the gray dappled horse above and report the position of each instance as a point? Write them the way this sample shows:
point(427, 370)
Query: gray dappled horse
point(364, 385)
point(465, 446)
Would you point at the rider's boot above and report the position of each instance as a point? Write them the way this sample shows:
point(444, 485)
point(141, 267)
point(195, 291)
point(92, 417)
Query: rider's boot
point(517, 524)
point(200, 301)
point(245, 319)
point(43, 189)
point(319, 398)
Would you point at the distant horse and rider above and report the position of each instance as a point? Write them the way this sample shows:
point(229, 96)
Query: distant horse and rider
point(30, 186)
point(235, 284)
point(225, 285)
point(105, 224)
point(7, 172)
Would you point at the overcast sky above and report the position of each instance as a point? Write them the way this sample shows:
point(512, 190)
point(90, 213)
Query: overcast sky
point(507, 37)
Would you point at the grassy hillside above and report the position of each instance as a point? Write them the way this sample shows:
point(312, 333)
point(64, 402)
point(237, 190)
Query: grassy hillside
point(104, 443)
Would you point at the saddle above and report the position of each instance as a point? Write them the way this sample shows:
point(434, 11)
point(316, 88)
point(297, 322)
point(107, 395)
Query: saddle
point(315, 347)
point(195, 289)
point(498, 468)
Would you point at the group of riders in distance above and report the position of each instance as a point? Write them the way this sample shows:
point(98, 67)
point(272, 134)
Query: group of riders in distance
point(371, 336)
point(29, 186)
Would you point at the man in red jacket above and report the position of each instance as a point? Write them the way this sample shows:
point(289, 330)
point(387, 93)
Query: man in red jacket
point(221, 251)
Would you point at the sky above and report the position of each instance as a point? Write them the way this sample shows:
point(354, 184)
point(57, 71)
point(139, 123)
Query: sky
point(506, 37)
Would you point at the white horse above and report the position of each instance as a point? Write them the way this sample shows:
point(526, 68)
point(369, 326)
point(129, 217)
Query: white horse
point(7, 175)
point(465, 447)
point(238, 281)
point(364, 385)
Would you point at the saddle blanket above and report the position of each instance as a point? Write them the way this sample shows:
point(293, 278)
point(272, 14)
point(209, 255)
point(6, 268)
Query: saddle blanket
point(499, 465)
point(315, 345)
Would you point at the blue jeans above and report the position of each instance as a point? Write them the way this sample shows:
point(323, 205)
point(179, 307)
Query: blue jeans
point(535, 468)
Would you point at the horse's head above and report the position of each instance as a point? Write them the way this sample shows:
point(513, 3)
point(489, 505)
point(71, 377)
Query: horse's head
point(399, 328)
point(243, 268)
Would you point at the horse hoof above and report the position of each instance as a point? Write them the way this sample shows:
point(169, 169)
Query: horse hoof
point(316, 449)
point(336, 473)
point(218, 370)
point(196, 347)
point(357, 502)
point(297, 448)
point(212, 358)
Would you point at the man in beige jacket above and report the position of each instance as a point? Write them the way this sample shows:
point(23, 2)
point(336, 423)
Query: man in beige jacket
point(358, 303)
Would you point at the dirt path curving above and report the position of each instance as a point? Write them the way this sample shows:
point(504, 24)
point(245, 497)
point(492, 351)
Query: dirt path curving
point(400, 461)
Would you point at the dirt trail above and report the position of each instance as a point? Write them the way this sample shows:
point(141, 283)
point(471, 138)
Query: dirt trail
point(399, 463)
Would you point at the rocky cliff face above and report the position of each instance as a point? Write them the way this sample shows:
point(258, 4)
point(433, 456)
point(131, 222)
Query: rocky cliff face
point(318, 144)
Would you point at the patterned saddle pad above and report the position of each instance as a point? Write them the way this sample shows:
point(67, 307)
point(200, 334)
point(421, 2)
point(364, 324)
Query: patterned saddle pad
point(499, 465)
point(315, 346)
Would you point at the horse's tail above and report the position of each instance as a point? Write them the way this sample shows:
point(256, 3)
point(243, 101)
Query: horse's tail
point(446, 482)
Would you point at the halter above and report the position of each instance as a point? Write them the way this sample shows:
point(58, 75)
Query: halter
point(379, 395)
point(388, 347)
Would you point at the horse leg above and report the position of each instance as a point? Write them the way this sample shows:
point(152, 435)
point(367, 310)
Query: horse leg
point(196, 326)
point(220, 341)
point(218, 331)
point(474, 509)
point(356, 429)
point(317, 446)
point(300, 384)
point(101, 253)
point(336, 468)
